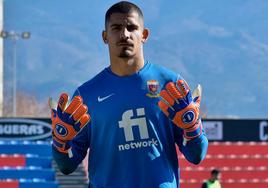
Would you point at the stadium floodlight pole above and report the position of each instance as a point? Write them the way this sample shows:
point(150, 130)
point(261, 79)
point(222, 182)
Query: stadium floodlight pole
point(14, 37)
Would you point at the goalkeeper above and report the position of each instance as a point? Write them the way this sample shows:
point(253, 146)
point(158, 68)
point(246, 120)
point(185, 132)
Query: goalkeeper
point(130, 116)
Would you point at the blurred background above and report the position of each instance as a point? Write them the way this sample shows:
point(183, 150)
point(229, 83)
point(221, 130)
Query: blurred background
point(222, 45)
point(52, 46)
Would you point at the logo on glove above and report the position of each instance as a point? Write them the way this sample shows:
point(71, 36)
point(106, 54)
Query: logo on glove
point(188, 117)
point(61, 130)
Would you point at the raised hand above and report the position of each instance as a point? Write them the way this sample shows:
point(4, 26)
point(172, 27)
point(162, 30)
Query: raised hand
point(67, 120)
point(179, 105)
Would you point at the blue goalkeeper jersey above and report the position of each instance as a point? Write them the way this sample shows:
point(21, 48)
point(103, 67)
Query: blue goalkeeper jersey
point(131, 142)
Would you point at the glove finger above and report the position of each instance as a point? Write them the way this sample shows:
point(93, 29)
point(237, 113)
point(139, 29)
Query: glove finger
point(62, 102)
point(73, 106)
point(165, 96)
point(82, 109)
point(52, 105)
point(197, 95)
point(173, 91)
point(164, 107)
point(183, 87)
point(84, 120)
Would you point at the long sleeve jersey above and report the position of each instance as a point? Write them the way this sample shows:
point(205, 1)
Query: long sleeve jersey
point(131, 143)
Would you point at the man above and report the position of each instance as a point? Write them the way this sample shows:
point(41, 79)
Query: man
point(129, 126)
point(213, 182)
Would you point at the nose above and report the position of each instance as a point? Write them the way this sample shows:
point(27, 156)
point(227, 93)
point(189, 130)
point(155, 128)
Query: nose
point(124, 34)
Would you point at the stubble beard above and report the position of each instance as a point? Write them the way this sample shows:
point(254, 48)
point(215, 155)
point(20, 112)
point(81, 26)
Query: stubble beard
point(125, 54)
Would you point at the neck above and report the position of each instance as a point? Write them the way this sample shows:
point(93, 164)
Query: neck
point(126, 67)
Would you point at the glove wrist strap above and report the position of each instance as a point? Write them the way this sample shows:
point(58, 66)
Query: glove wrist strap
point(61, 146)
point(194, 131)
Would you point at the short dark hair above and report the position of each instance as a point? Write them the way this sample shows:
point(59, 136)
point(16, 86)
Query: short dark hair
point(123, 7)
point(215, 172)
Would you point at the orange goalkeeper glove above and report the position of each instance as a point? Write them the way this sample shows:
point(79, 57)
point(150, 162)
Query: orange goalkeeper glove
point(67, 120)
point(181, 107)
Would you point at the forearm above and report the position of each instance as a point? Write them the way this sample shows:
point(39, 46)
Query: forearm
point(195, 150)
point(65, 163)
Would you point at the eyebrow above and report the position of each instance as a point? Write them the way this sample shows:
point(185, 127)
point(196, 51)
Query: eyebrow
point(128, 24)
point(113, 25)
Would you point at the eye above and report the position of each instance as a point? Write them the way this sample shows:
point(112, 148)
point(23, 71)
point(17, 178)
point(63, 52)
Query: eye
point(115, 28)
point(132, 27)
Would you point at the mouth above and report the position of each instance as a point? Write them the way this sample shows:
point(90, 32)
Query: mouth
point(125, 44)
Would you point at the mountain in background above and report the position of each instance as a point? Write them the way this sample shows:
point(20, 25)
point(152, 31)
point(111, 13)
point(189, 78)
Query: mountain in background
point(222, 45)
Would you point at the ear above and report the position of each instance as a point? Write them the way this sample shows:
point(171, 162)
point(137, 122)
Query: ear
point(145, 35)
point(104, 37)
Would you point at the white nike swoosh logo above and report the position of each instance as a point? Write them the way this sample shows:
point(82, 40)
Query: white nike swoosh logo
point(100, 99)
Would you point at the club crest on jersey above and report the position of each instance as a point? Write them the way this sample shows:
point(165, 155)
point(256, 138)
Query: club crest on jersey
point(153, 86)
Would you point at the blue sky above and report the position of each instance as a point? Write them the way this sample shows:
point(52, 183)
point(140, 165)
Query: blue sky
point(223, 45)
